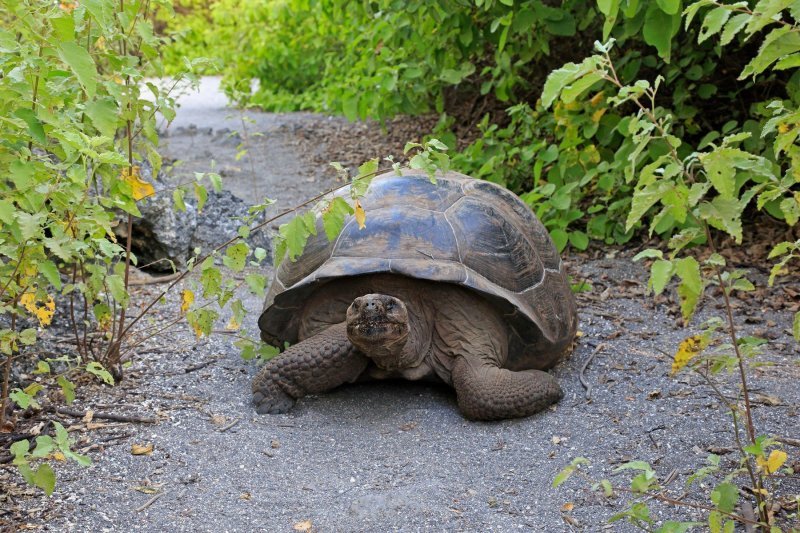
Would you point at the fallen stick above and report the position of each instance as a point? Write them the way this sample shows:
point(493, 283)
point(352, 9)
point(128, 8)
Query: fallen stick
point(229, 426)
point(107, 416)
point(149, 502)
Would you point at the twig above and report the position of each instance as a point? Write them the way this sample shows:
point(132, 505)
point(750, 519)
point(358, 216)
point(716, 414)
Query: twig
point(150, 502)
point(107, 416)
point(789, 441)
point(582, 377)
point(198, 366)
point(154, 280)
point(229, 426)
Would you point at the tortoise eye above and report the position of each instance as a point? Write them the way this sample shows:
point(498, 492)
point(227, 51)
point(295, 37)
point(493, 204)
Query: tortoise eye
point(390, 306)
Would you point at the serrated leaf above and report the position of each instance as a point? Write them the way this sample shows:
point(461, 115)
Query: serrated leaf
point(98, 370)
point(713, 22)
point(201, 321)
point(187, 298)
point(44, 446)
point(691, 286)
point(67, 389)
point(104, 113)
point(295, 235)
point(81, 64)
point(778, 43)
point(256, 283)
point(116, 286)
point(50, 272)
point(333, 217)
point(561, 78)
point(139, 188)
point(771, 464)
point(660, 274)
point(688, 349)
point(734, 26)
point(210, 279)
point(236, 256)
point(368, 167)
point(725, 495)
point(45, 478)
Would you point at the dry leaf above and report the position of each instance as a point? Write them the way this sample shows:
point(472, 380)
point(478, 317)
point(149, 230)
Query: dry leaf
point(187, 297)
point(305, 526)
point(275, 444)
point(773, 462)
point(687, 350)
point(87, 418)
point(44, 312)
point(218, 420)
point(361, 216)
point(146, 490)
point(139, 188)
point(58, 456)
point(246, 496)
point(139, 449)
point(567, 507)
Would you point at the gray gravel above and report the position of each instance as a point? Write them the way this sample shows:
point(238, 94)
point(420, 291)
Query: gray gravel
point(398, 455)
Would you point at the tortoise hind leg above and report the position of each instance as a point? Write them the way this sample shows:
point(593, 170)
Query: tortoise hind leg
point(486, 392)
point(317, 364)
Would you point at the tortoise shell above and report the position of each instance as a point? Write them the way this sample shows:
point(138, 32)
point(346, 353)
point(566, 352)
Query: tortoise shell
point(460, 230)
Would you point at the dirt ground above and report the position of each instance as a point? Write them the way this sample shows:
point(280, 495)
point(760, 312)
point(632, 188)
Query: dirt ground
point(398, 456)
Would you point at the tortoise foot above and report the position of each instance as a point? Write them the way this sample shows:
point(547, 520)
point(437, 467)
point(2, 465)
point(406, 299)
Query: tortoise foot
point(272, 400)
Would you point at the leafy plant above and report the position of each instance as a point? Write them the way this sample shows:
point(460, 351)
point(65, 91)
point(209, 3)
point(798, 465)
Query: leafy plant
point(689, 192)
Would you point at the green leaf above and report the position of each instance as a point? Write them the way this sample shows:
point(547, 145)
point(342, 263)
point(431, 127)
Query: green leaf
point(796, 326)
point(734, 26)
point(579, 239)
point(660, 274)
point(256, 283)
point(177, 199)
point(778, 43)
point(210, 279)
point(30, 225)
point(295, 234)
point(50, 272)
point(236, 256)
point(659, 28)
point(34, 125)
point(201, 194)
point(670, 7)
point(691, 286)
point(45, 478)
point(20, 398)
point(104, 114)
point(67, 389)
point(44, 446)
point(560, 238)
point(81, 64)
point(7, 212)
point(670, 526)
point(334, 215)
point(561, 78)
point(116, 285)
point(725, 496)
point(369, 167)
point(98, 370)
point(713, 23)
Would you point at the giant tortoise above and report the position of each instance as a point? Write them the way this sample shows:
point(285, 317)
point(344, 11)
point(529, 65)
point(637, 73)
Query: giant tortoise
point(456, 281)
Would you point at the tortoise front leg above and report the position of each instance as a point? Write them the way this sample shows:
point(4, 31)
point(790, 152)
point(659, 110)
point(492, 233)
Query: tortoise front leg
point(486, 392)
point(317, 364)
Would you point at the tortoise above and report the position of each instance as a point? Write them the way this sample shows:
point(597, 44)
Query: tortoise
point(456, 281)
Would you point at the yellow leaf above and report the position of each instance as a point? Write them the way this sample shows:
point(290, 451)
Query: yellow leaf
point(58, 456)
point(773, 463)
point(596, 99)
point(44, 312)
point(198, 331)
point(139, 187)
point(233, 324)
point(187, 297)
point(361, 216)
point(139, 449)
point(146, 490)
point(567, 507)
point(597, 115)
point(305, 526)
point(687, 350)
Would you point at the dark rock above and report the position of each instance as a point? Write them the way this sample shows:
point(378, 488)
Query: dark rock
point(164, 236)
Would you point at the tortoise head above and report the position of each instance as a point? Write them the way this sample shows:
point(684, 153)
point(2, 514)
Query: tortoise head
point(377, 324)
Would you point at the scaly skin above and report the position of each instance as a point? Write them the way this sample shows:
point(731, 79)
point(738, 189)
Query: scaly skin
point(317, 364)
point(486, 392)
point(410, 329)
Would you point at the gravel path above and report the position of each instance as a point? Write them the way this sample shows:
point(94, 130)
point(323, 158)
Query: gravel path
point(397, 455)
